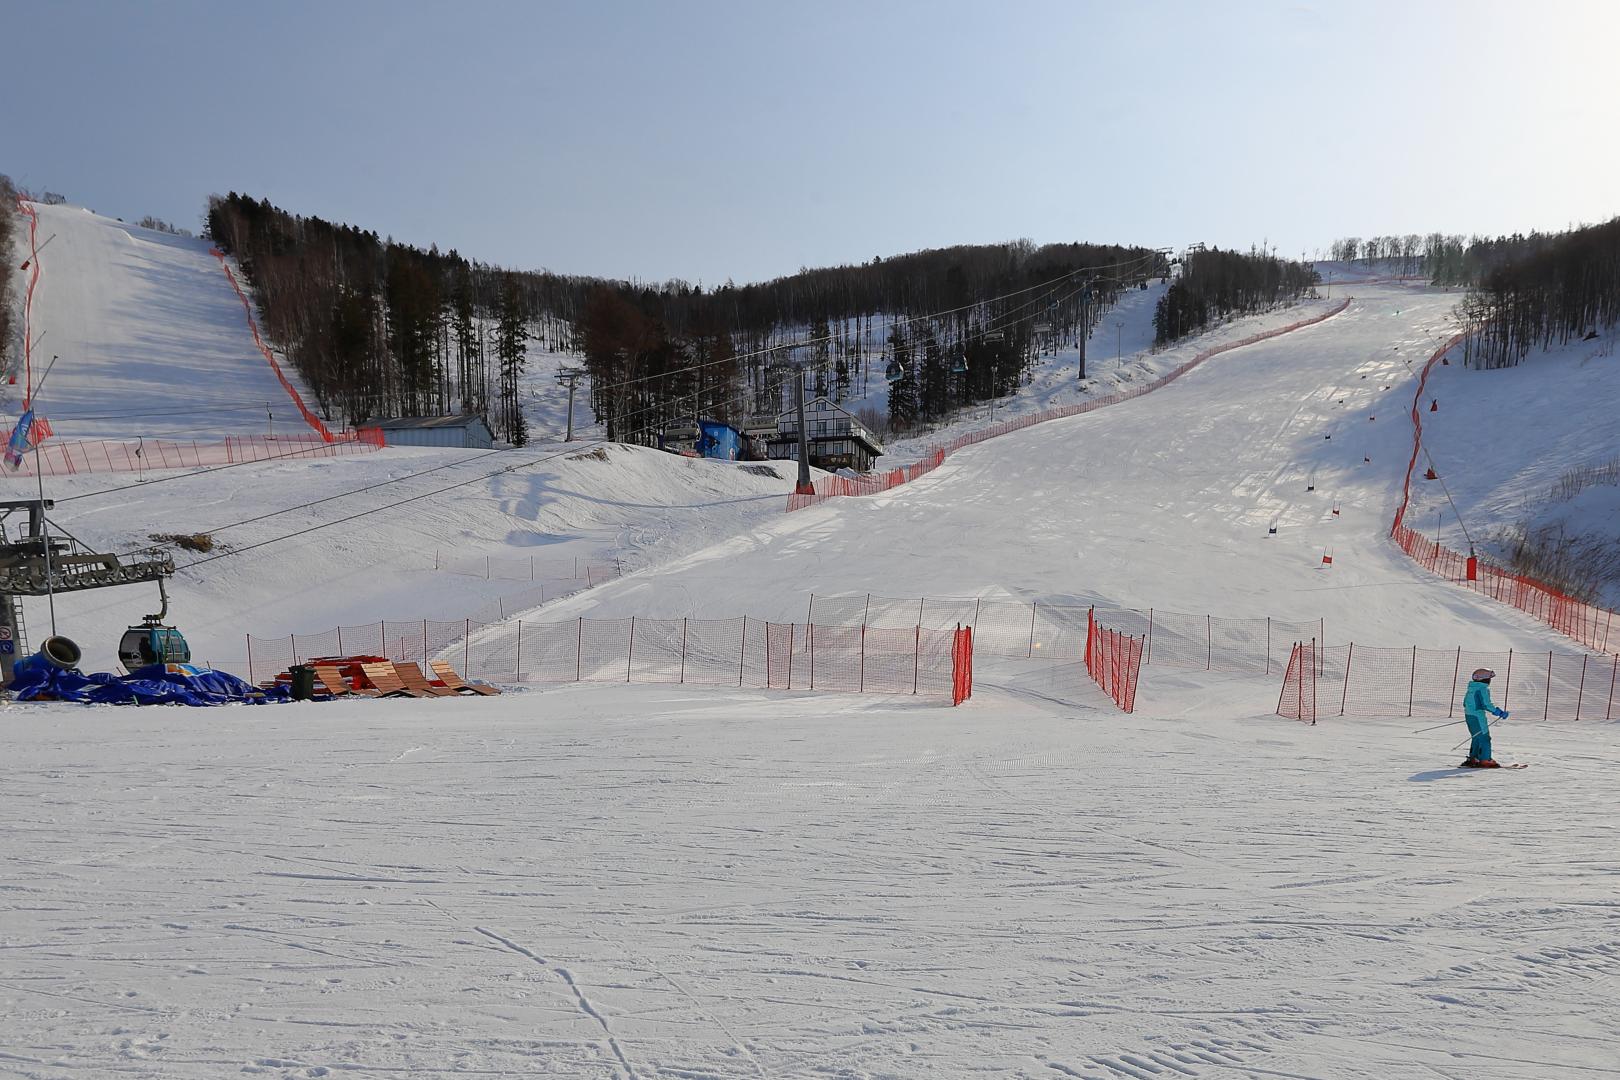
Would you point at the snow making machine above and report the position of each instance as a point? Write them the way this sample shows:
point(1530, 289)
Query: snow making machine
point(38, 558)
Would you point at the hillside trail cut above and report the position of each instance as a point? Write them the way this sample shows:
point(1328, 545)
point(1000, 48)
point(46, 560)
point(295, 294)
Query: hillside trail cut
point(150, 339)
point(1167, 501)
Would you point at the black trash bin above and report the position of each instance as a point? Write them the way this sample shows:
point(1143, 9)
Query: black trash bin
point(303, 682)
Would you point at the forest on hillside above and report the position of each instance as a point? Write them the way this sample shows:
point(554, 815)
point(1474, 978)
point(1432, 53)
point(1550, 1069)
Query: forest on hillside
point(1216, 285)
point(1525, 290)
point(11, 346)
point(378, 328)
point(1544, 291)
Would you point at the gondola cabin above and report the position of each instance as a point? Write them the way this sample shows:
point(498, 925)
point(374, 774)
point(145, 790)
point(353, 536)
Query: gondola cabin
point(152, 643)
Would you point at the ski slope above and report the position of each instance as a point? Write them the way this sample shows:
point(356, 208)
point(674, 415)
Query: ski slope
point(1562, 402)
point(1164, 501)
point(669, 882)
point(148, 336)
point(559, 506)
point(664, 883)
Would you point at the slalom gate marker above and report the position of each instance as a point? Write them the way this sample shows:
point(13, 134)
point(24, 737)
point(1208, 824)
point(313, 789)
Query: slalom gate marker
point(1588, 624)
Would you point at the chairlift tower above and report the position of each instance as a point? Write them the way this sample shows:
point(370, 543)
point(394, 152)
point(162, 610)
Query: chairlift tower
point(569, 376)
point(39, 558)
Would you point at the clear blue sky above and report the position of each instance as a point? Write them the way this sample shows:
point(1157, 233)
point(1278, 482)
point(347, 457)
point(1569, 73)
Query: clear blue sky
point(707, 140)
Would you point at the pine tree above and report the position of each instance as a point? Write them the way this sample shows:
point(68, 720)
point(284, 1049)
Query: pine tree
point(934, 385)
point(510, 335)
point(903, 391)
point(821, 354)
point(466, 337)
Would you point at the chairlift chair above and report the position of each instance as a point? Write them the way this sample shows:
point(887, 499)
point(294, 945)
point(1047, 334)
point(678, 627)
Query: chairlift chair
point(959, 364)
point(894, 371)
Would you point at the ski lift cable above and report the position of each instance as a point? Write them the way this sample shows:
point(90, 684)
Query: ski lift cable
point(801, 343)
point(319, 447)
point(663, 407)
point(461, 483)
point(572, 449)
point(1000, 320)
point(1124, 267)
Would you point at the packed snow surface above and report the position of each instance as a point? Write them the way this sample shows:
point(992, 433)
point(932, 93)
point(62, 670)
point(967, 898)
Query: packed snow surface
point(148, 335)
point(632, 881)
point(601, 882)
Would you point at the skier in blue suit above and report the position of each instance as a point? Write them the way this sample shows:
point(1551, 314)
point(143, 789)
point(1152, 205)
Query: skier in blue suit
point(1476, 703)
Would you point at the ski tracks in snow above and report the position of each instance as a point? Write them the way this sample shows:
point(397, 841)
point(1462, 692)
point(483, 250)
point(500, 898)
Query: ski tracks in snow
point(567, 977)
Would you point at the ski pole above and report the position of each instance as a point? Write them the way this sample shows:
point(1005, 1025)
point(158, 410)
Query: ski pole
point(1470, 738)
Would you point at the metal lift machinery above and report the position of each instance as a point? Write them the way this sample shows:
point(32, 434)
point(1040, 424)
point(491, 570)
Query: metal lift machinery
point(38, 558)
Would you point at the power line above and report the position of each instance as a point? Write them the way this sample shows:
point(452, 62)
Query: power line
point(1005, 320)
point(1122, 267)
point(803, 342)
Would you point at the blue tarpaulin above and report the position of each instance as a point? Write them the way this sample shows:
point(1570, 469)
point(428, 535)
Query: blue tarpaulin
point(155, 684)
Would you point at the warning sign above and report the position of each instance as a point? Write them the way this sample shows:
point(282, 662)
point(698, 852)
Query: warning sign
point(5, 633)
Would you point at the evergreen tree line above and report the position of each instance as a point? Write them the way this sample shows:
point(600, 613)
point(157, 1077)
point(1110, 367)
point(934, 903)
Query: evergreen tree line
point(1544, 290)
point(379, 328)
point(988, 350)
point(1216, 284)
point(1525, 290)
point(11, 344)
point(657, 364)
point(1446, 259)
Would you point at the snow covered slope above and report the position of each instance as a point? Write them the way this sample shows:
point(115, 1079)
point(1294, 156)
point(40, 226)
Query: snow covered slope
point(1503, 440)
point(1164, 501)
point(555, 506)
point(635, 882)
point(607, 882)
point(149, 337)
point(1160, 502)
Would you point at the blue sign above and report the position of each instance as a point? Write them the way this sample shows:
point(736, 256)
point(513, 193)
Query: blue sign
point(8, 647)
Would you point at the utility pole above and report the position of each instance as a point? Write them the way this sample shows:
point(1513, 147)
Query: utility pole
point(569, 376)
point(803, 487)
point(1085, 328)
